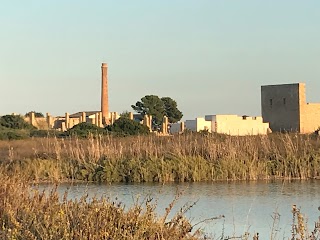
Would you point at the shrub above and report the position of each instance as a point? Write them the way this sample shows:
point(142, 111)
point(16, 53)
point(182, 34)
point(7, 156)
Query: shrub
point(13, 134)
point(14, 122)
point(84, 130)
point(126, 126)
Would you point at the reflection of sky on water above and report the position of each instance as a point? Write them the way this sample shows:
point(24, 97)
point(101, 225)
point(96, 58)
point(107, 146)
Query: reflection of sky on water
point(245, 205)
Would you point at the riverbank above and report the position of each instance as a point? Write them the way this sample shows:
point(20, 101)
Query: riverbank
point(187, 157)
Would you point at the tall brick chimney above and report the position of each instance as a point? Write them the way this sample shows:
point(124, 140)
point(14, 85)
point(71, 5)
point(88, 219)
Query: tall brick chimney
point(104, 94)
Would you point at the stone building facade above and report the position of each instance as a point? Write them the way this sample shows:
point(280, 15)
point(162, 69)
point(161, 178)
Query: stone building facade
point(285, 108)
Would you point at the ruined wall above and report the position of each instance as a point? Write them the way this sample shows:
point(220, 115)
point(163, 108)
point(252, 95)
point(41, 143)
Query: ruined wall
point(280, 106)
point(38, 122)
point(42, 123)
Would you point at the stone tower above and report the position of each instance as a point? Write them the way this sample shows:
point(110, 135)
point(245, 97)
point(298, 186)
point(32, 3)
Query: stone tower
point(104, 93)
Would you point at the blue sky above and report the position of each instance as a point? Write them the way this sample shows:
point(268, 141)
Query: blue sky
point(211, 56)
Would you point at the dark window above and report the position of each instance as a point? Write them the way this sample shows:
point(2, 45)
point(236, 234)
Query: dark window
point(284, 101)
point(270, 102)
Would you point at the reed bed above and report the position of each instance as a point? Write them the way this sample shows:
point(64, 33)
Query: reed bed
point(186, 157)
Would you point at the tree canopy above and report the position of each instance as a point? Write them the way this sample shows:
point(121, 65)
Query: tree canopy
point(171, 109)
point(158, 108)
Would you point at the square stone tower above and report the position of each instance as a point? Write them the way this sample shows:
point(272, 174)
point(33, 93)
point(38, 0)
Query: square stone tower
point(286, 109)
point(280, 105)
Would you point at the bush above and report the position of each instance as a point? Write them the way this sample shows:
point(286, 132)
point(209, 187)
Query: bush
point(126, 126)
point(84, 130)
point(13, 134)
point(14, 122)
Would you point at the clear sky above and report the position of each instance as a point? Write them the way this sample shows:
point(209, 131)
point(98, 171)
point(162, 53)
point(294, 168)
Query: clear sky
point(211, 56)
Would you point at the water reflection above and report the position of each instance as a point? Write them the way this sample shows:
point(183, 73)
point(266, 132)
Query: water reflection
point(247, 206)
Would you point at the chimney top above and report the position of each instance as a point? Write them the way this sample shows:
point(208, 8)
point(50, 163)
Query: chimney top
point(104, 65)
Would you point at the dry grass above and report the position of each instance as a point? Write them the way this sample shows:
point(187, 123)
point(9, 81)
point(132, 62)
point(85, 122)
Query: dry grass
point(29, 214)
point(189, 157)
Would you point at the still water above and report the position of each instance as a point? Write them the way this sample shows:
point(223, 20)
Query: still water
point(247, 206)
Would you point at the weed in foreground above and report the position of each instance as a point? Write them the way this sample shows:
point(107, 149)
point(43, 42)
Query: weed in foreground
point(27, 213)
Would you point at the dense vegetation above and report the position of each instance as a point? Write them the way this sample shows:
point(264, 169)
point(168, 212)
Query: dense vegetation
point(83, 130)
point(27, 213)
point(14, 127)
point(125, 126)
point(187, 157)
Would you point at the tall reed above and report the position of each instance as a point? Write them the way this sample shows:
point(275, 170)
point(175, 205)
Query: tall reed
point(187, 157)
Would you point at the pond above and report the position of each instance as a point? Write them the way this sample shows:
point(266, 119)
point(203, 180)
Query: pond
point(246, 206)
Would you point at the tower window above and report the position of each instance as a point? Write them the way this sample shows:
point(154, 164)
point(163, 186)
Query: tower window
point(284, 101)
point(270, 102)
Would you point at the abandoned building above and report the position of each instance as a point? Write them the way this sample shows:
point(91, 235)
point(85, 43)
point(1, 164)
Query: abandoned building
point(226, 124)
point(285, 108)
point(99, 118)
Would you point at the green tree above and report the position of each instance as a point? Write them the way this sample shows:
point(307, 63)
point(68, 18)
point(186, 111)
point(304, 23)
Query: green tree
point(14, 122)
point(151, 105)
point(171, 109)
point(158, 108)
point(126, 126)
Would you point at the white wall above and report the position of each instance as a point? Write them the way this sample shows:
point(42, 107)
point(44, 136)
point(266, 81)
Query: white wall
point(239, 126)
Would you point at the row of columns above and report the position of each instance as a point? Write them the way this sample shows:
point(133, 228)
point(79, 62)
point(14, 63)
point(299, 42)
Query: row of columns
point(98, 121)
